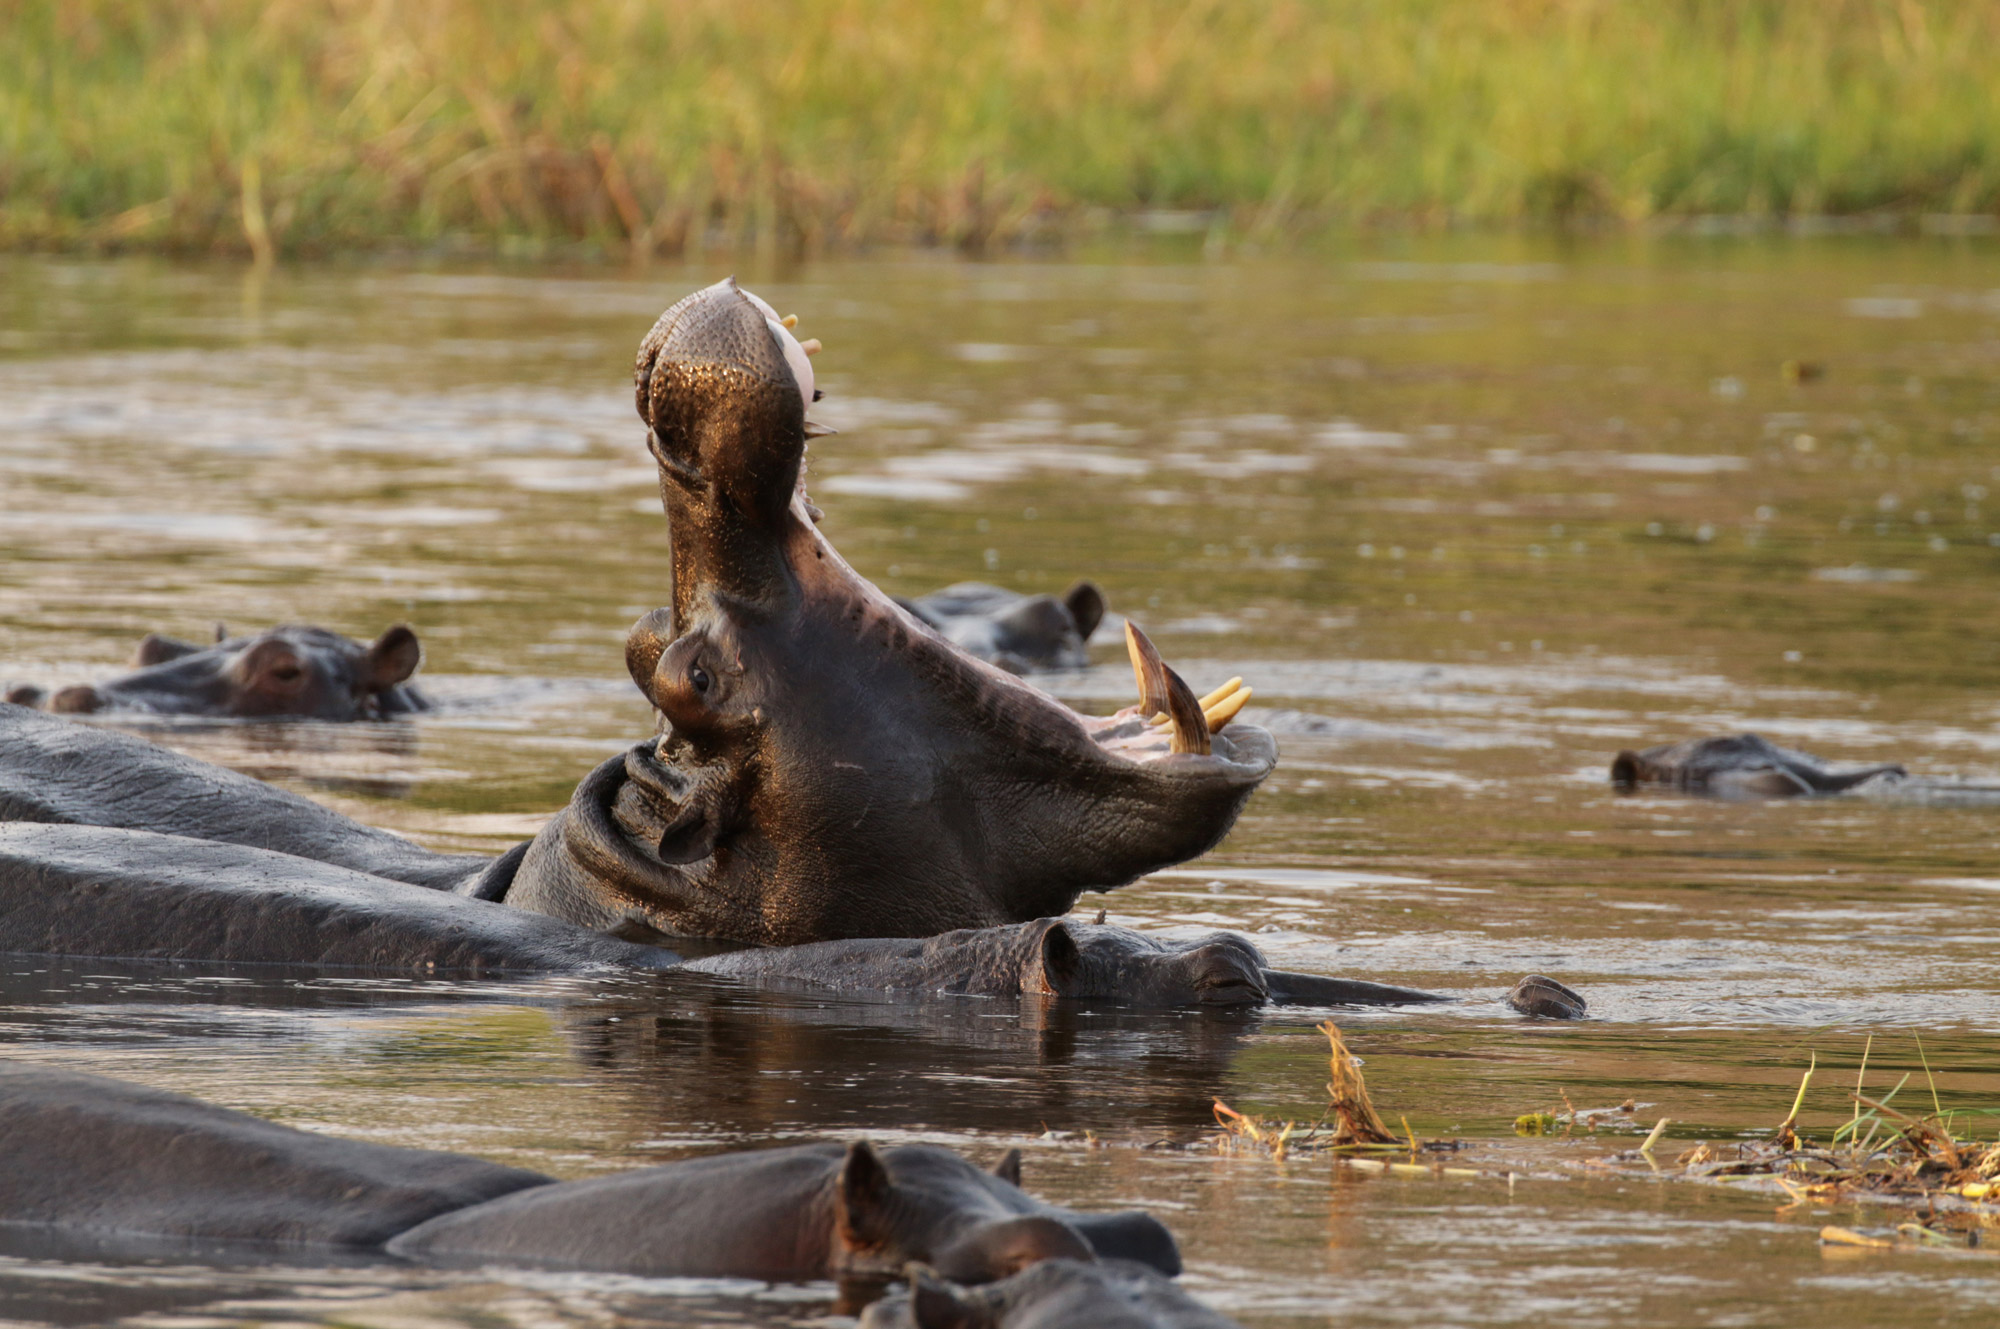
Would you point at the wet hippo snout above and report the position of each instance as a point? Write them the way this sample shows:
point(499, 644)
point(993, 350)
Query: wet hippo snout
point(82, 699)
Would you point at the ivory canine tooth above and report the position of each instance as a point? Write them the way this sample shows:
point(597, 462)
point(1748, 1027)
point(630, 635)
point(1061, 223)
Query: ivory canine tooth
point(810, 346)
point(790, 320)
point(1222, 712)
point(1161, 689)
point(1222, 692)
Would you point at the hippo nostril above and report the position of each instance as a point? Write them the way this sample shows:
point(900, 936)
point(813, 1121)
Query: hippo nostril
point(79, 700)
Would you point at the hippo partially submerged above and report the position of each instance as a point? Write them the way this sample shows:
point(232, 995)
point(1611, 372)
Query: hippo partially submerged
point(291, 672)
point(1020, 633)
point(1060, 958)
point(94, 1158)
point(1739, 766)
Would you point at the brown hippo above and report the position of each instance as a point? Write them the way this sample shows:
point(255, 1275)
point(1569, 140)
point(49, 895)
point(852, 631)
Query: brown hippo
point(827, 764)
point(1020, 633)
point(89, 1156)
point(292, 672)
point(1738, 766)
point(1054, 1294)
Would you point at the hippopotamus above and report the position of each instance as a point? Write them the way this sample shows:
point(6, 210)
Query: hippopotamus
point(1020, 633)
point(291, 672)
point(95, 1157)
point(1738, 766)
point(1061, 958)
point(826, 765)
point(1052, 1294)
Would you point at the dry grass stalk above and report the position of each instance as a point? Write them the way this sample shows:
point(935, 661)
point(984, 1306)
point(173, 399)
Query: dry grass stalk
point(1358, 1122)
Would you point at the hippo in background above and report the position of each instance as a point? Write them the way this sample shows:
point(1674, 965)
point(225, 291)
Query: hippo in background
point(1019, 633)
point(92, 1158)
point(1053, 1294)
point(1059, 957)
point(290, 672)
point(1738, 766)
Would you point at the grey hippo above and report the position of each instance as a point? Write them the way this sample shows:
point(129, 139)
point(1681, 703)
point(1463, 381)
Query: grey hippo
point(290, 672)
point(1739, 766)
point(1052, 1294)
point(1020, 633)
point(827, 765)
point(88, 1157)
point(1057, 957)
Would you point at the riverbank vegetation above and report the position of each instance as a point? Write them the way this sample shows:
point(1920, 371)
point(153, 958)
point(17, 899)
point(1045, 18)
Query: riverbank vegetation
point(643, 127)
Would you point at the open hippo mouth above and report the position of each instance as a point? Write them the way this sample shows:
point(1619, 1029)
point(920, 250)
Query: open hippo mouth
point(828, 765)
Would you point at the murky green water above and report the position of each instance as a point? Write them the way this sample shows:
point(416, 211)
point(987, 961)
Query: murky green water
point(1471, 516)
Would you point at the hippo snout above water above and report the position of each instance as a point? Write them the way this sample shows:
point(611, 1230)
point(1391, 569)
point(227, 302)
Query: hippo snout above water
point(293, 672)
point(1739, 766)
point(1054, 1294)
point(1061, 957)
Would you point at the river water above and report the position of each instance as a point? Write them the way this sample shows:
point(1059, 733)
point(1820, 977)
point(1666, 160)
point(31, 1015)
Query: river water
point(1470, 515)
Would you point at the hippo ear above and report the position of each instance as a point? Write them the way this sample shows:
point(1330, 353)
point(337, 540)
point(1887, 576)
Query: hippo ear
point(393, 658)
point(1086, 605)
point(1008, 1169)
point(1062, 962)
point(157, 648)
point(221, 632)
point(936, 1304)
point(863, 1193)
point(1625, 769)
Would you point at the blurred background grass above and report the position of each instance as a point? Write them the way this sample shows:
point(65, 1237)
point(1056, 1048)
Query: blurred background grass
point(642, 127)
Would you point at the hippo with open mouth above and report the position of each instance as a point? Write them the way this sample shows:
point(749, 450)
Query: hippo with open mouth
point(827, 765)
point(291, 672)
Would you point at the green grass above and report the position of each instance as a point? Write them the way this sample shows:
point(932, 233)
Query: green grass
point(666, 125)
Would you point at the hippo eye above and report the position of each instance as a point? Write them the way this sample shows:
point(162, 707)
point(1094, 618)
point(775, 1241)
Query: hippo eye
point(699, 677)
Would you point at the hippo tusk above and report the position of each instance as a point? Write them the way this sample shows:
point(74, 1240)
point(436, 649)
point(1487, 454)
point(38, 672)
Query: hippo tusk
point(1162, 690)
point(789, 321)
point(810, 346)
point(816, 430)
point(1221, 692)
point(1222, 712)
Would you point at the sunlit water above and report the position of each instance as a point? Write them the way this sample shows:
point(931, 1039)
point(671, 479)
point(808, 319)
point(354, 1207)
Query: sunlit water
point(1470, 516)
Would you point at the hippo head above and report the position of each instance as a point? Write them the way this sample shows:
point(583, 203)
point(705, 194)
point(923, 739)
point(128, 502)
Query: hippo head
point(830, 766)
point(929, 1204)
point(1088, 960)
point(291, 672)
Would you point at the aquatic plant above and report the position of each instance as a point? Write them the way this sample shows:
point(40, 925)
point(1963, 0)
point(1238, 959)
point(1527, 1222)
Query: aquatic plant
point(639, 129)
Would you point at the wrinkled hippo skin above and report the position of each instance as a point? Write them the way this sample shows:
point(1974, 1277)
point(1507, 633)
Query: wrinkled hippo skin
point(292, 672)
point(829, 766)
point(1019, 633)
point(1738, 766)
point(99, 1157)
point(1061, 958)
point(1055, 1294)
point(806, 1211)
point(105, 1156)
